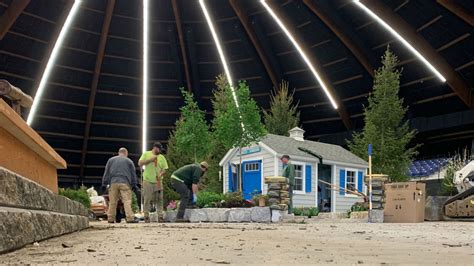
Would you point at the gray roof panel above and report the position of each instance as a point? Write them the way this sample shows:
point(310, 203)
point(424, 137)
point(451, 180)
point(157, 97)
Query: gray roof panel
point(287, 145)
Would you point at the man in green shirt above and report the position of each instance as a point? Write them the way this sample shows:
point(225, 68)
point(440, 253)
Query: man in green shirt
point(289, 172)
point(184, 181)
point(155, 165)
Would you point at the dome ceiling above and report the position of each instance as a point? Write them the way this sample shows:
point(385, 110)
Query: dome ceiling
point(344, 41)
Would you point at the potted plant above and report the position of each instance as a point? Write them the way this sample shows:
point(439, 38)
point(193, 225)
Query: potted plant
point(260, 199)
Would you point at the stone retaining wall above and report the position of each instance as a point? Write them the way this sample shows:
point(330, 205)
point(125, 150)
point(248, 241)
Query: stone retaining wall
point(30, 212)
point(20, 227)
point(19, 192)
point(219, 215)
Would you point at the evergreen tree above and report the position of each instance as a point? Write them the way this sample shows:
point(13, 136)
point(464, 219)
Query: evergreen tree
point(385, 127)
point(283, 115)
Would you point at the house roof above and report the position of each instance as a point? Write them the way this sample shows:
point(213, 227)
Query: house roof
point(290, 146)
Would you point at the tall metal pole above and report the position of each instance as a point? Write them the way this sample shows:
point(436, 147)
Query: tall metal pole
point(370, 176)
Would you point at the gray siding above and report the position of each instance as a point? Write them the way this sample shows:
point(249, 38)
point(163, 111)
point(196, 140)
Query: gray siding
point(304, 199)
point(344, 202)
point(267, 161)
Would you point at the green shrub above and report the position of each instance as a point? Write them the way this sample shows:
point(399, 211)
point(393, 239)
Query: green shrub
point(80, 195)
point(358, 207)
point(209, 199)
point(305, 211)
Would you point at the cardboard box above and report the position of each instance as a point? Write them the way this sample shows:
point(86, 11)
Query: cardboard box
point(405, 202)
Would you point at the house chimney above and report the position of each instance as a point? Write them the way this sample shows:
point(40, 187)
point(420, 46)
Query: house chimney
point(297, 133)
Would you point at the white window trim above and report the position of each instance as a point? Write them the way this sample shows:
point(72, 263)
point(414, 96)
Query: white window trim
point(303, 165)
point(356, 177)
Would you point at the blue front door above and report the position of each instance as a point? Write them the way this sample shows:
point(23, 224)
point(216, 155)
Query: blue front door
point(251, 178)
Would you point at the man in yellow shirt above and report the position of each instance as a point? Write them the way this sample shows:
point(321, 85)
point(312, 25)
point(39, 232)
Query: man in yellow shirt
point(155, 168)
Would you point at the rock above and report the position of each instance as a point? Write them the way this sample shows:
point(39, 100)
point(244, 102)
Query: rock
point(289, 218)
point(276, 207)
point(274, 187)
point(434, 208)
point(195, 215)
point(376, 216)
point(20, 192)
point(273, 201)
point(362, 215)
point(153, 217)
point(277, 216)
point(21, 227)
point(261, 214)
point(216, 215)
point(238, 215)
point(170, 216)
point(275, 179)
point(273, 194)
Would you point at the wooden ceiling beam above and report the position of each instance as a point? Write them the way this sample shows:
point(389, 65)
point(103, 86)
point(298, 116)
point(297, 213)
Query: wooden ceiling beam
point(453, 79)
point(458, 10)
point(341, 34)
point(179, 27)
point(8, 18)
point(95, 80)
point(243, 17)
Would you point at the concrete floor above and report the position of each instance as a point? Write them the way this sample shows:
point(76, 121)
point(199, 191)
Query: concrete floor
point(314, 242)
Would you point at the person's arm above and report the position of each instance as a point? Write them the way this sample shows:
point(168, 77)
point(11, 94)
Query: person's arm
point(163, 166)
point(106, 177)
point(143, 161)
point(196, 176)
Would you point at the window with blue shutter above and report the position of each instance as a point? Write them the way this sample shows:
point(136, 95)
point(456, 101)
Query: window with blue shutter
point(342, 181)
point(308, 178)
point(230, 179)
point(360, 181)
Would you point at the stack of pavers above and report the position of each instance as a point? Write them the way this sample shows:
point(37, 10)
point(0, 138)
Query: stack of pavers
point(278, 195)
point(378, 185)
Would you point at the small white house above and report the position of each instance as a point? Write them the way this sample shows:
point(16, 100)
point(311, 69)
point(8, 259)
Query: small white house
point(313, 161)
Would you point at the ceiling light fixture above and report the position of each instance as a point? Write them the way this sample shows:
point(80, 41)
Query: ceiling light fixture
point(300, 51)
point(401, 39)
point(52, 60)
point(219, 49)
point(145, 76)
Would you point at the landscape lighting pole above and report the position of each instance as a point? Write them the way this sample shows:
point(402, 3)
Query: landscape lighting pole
point(370, 176)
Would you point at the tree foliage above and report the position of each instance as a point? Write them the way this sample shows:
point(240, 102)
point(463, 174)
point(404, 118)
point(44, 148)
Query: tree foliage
point(237, 126)
point(192, 131)
point(283, 114)
point(385, 127)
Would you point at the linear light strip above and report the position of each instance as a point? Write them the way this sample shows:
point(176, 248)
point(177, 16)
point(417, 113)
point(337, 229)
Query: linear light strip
point(401, 39)
point(52, 60)
point(301, 52)
point(145, 76)
point(219, 49)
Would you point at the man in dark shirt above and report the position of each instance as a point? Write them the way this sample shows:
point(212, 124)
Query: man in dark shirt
point(184, 181)
point(121, 176)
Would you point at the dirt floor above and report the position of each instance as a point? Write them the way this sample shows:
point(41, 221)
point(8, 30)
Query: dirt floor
point(313, 242)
